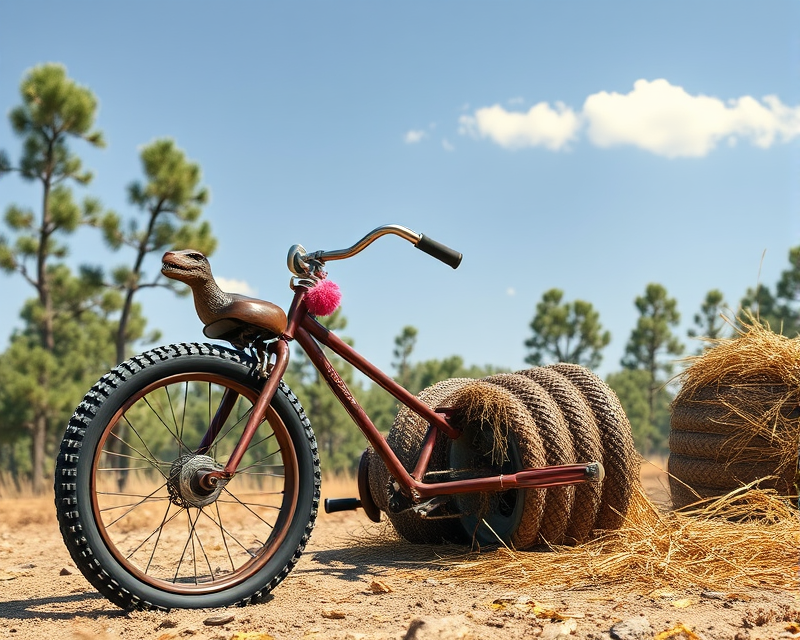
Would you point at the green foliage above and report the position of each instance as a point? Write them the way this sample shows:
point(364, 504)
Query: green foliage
point(170, 201)
point(53, 108)
point(779, 311)
point(647, 354)
point(566, 332)
point(710, 322)
point(403, 347)
point(41, 384)
point(632, 386)
point(428, 372)
point(652, 339)
point(340, 442)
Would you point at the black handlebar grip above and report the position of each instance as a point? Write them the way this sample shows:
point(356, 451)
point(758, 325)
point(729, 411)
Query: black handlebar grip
point(439, 251)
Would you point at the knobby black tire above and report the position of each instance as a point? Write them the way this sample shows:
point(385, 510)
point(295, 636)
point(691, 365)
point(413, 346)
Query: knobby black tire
point(90, 506)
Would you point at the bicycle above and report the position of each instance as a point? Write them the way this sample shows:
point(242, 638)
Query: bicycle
point(189, 477)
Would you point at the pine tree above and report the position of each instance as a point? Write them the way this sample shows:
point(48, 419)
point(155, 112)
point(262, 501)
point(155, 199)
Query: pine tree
point(54, 111)
point(403, 347)
point(171, 201)
point(566, 332)
point(652, 342)
point(709, 321)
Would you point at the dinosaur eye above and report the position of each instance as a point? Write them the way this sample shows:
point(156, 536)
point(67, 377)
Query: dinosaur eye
point(197, 256)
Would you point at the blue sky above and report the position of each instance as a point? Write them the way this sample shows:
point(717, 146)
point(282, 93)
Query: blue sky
point(593, 147)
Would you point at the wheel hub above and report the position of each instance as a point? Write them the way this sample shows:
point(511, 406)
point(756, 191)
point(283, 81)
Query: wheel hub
point(184, 485)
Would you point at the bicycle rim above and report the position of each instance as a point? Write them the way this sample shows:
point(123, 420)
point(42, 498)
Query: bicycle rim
point(156, 522)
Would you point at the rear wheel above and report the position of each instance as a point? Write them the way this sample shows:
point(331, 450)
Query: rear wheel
point(134, 515)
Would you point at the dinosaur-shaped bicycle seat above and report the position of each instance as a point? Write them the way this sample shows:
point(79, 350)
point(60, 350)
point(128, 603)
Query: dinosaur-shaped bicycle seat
point(226, 316)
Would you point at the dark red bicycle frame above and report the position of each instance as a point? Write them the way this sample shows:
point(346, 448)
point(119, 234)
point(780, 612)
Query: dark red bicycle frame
point(309, 334)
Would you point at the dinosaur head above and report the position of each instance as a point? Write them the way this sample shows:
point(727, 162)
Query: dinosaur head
point(188, 266)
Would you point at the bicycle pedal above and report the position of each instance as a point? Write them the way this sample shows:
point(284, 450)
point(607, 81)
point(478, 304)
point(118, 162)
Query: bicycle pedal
point(332, 505)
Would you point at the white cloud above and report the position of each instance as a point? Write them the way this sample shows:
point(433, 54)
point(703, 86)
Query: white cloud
point(511, 291)
point(235, 286)
point(414, 136)
point(540, 126)
point(655, 116)
point(666, 120)
point(447, 145)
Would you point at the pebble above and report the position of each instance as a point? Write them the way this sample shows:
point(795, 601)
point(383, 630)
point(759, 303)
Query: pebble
point(66, 571)
point(637, 628)
point(218, 621)
point(558, 630)
point(167, 624)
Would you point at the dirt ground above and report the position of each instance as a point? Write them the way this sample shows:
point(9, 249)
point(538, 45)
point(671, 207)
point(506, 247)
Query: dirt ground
point(357, 582)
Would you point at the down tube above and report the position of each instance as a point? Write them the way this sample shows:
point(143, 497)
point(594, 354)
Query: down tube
point(359, 416)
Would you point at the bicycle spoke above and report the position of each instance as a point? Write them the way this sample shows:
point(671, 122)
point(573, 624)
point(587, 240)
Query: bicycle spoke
point(153, 460)
point(157, 530)
point(205, 555)
point(249, 509)
point(141, 502)
point(257, 463)
point(129, 504)
point(117, 469)
point(222, 535)
point(252, 504)
point(181, 445)
point(221, 437)
point(185, 404)
point(160, 528)
point(229, 534)
point(186, 546)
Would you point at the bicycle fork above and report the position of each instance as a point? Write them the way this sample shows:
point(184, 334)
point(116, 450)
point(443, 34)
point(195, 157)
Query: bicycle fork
point(208, 480)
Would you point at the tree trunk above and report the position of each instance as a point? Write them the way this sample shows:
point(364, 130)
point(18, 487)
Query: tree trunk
point(38, 441)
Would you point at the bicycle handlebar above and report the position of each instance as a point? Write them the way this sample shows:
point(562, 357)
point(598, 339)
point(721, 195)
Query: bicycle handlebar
point(298, 260)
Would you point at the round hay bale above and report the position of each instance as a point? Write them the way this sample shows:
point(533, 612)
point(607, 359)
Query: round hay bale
point(702, 472)
point(558, 449)
point(683, 495)
point(586, 444)
point(741, 396)
point(405, 438)
point(750, 406)
point(718, 446)
point(499, 435)
point(620, 459)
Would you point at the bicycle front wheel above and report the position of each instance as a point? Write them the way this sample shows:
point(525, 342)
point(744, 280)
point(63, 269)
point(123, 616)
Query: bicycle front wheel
point(136, 521)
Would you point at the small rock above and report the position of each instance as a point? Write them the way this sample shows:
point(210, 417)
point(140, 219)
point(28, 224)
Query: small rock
point(332, 615)
point(218, 621)
point(713, 595)
point(558, 630)
point(66, 571)
point(167, 624)
point(451, 628)
point(27, 565)
point(637, 628)
point(379, 587)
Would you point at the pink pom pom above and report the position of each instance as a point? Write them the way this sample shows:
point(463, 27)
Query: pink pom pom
point(323, 298)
